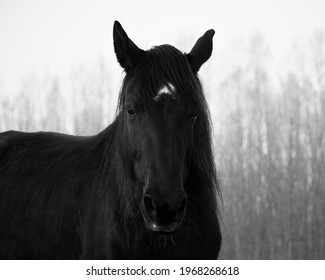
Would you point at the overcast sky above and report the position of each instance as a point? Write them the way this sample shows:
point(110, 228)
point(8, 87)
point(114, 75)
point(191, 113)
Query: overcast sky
point(42, 36)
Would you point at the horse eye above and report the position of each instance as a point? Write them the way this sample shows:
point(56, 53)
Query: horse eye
point(137, 156)
point(131, 113)
point(194, 116)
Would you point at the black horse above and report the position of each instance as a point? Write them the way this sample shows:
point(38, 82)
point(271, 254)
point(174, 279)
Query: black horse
point(144, 188)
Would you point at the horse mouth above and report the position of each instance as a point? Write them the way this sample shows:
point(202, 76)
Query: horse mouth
point(160, 228)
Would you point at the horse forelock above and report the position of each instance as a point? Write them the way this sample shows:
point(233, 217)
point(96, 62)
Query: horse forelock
point(161, 67)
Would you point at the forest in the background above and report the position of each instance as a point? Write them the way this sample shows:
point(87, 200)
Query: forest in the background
point(269, 131)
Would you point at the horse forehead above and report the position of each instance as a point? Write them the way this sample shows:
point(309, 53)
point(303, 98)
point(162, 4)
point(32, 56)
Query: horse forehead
point(167, 89)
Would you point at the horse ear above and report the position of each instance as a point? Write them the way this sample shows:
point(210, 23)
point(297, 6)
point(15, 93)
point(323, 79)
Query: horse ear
point(201, 51)
point(127, 53)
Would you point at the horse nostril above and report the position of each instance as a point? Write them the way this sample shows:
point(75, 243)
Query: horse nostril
point(182, 205)
point(149, 205)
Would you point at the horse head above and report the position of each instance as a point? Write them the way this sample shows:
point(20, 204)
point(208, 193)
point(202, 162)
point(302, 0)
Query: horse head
point(160, 108)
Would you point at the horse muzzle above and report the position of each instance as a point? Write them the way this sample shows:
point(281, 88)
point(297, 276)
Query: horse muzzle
point(163, 217)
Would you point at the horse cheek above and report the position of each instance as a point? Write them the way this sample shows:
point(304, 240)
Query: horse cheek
point(139, 171)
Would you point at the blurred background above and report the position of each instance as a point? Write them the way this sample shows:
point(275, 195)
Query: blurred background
point(265, 85)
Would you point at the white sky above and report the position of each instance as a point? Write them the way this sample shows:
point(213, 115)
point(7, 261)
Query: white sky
point(42, 36)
